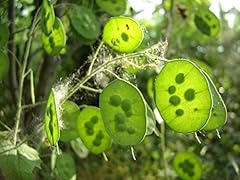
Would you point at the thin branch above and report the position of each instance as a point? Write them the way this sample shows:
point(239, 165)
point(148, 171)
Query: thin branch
point(12, 48)
point(33, 105)
point(22, 76)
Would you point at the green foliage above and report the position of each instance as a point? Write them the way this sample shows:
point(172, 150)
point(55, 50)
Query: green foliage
point(55, 41)
point(4, 65)
point(219, 112)
point(91, 130)
point(113, 7)
point(84, 23)
point(51, 120)
point(108, 91)
point(48, 17)
point(207, 22)
point(124, 112)
point(69, 115)
point(4, 34)
point(65, 167)
point(187, 166)
point(179, 93)
point(18, 163)
point(122, 34)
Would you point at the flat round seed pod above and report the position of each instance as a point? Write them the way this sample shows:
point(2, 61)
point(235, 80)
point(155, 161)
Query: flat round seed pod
point(124, 112)
point(55, 42)
point(122, 34)
point(4, 34)
point(51, 124)
point(84, 22)
point(219, 111)
point(207, 22)
point(187, 166)
point(48, 17)
point(202, 65)
point(4, 65)
point(80, 38)
point(69, 115)
point(182, 96)
point(65, 167)
point(112, 7)
point(92, 131)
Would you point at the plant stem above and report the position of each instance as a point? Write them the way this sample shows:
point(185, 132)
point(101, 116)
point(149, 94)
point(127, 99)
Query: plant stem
point(97, 70)
point(22, 77)
point(94, 57)
point(102, 66)
point(163, 150)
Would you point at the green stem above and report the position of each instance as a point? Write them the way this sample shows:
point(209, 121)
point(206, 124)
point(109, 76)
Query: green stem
point(22, 77)
point(94, 57)
point(33, 105)
point(97, 70)
point(91, 89)
point(165, 166)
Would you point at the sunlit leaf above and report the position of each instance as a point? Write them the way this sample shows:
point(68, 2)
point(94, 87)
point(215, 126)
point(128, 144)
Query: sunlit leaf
point(84, 22)
point(51, 120)
point(92, 131)
point(182, 96)
point(219, 112)
point(207, 22)
point(122, 34)
point(65, 167)
point(70, 112)
point(187, 166)
point(4, 65)
point(18, 163)
point(112, 7)
point(124, 112)
point(48, 17)
point(55, 42)
point(4, 34)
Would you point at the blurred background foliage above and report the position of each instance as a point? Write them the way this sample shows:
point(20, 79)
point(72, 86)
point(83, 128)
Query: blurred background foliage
point(171, 20)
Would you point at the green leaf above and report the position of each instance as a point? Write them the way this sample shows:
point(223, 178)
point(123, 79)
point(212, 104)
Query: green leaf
point(55, 42)
point(182, 96)
point(4, 34)
point(187, 166)
point(4, 65)
point(79, 148)
point(70, 112)
point(92, 131)
point(123, 111)
point(112, 7)
point(18, 163)
point(51, 120)
point(65, 167)
point(219, 111)
point(122, 34)
point(84, 22)
point(207, 22)
point(48, 17)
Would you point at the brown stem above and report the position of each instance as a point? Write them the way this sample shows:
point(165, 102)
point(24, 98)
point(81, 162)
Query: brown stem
point(13, 81)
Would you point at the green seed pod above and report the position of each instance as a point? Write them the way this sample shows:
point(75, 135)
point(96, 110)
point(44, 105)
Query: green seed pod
point(183, 96)
point(125, 124)
point(51, 120)
point(187, 166)
point(122, 34)
point(92, 131)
